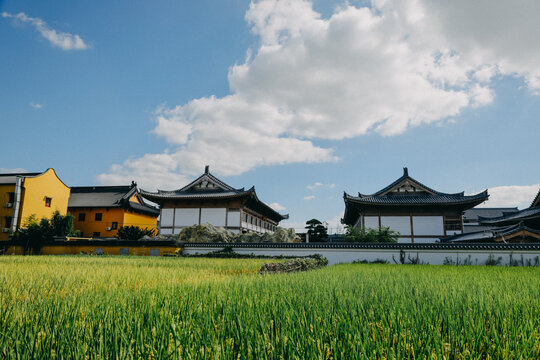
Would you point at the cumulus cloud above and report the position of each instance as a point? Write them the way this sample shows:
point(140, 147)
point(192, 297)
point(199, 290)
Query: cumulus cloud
point(314, 186)
point(512, 196)
point(36, 105)
point(309, 197)
point(65, 41)
point(378, 69)
point(276, 206)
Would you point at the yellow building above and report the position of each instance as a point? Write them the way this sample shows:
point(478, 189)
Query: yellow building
point(100, 211)
point(26, 194)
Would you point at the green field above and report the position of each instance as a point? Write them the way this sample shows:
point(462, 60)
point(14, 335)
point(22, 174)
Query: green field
point(159, 308)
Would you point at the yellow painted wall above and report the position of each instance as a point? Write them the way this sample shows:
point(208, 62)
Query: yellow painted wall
point(123, 217)
point(135, 199)
point(4, 211)
point(140, 220)
point(108, 250)
point(36, 189)
point(89, 226)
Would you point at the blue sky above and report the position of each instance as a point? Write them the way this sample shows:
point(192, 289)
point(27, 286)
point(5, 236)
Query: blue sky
point(303, 100)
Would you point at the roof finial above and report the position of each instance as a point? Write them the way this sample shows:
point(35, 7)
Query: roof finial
point(207, 169)
point(405, 172)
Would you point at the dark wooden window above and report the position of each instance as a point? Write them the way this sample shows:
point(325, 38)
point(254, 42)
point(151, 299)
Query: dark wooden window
point(452, 224)
point(114, 225)
point(82, 216)
point(11, 197)
point(48, 202)
point(96, 234)
point(7, 220)
point(98, 216)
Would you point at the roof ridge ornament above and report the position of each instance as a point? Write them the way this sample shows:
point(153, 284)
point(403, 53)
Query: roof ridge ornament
point(207, 169)
point(405, 171)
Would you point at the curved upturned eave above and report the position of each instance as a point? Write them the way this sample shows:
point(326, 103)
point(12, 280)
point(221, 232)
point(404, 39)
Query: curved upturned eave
point(366, 200)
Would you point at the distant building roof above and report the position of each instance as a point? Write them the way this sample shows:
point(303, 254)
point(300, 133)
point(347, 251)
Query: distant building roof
point(109, 197)
point(471, 215)
point(11, 178)
point(512, 218)
point(208, 187)
point(536, 201)
point(407, 192)
point(501, 234)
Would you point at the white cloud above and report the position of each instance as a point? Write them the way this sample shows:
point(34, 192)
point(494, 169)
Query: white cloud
point(65, 41)
point(10, 171)
point(309, 197)
point(334, 224)
point(314, 186)
point(383, 69)
point(36, 105)
point(511, 196)
point(297, 226)
point(276, 206)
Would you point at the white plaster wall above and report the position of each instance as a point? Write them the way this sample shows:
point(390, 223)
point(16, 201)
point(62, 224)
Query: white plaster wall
point(371, 222)
point(433, 257)
point(425, 240)
point(233, 218)
point(166, 217)
point(186, 217)
point(214, 216)
point(165, 231)
point(428, 225)
point(401, 224)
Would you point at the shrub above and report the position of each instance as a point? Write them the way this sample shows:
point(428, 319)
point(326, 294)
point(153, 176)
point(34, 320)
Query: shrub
point(381, 235)
point(134, 232)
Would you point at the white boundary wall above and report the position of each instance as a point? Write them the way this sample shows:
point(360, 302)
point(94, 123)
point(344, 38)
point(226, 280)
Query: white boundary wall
point(425, 256)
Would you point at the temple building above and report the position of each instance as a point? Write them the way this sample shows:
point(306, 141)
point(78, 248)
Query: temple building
point(30, 195)
point(209, 200)
point(99, 211)
point(419, 213)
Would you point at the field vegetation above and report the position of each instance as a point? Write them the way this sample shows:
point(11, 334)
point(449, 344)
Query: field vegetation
point(84, 307)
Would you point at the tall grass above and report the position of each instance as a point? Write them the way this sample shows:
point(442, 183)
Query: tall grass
point(159, 308)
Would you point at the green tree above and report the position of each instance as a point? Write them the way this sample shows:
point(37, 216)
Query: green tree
point(134, 233)
point(36, 233)
point(316, 231)
point(382, 235)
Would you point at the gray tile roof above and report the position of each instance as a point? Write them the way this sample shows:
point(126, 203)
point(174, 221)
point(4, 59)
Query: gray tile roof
point(526, 214)
point(107, 197)
point(491, 235)
point(11, 178)
point(220, 190)
point(417, 199)
point(471, 215)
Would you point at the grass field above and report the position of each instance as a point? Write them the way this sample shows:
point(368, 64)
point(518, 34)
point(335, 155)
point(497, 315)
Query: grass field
point(159, 308)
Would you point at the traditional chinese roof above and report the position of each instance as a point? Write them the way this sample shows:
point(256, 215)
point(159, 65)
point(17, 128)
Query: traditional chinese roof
point(209, 187)
point(536, 201)
point(109, 197)
point(472, 215)
point(509, 233)
point(408, 192)
point(513, 218)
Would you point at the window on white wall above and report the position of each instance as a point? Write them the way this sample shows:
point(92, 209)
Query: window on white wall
point(214, 216)
point(186, 217)
point(371, 222)
point(233, 218)
point(428, 225)
point(401, 224)
point(166, 217)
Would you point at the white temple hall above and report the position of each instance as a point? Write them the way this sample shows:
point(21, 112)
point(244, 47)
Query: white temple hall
point(419, 213)
point(209, 200)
